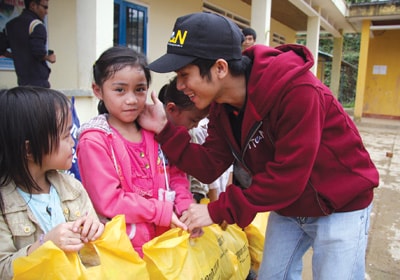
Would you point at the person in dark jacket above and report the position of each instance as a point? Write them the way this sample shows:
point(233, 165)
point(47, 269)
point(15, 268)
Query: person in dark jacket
point(296, 151)
point(27, 38)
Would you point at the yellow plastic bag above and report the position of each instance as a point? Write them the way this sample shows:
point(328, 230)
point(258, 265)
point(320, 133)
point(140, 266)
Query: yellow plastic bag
point(113, 250)
point(255, 233)
point(237, 242)
point(260, 221)
point(174, 255)
point(228, 260)
point(256, 245)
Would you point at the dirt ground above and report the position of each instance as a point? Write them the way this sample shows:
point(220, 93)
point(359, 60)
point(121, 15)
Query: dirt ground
point(382, 140)
point(383, 252)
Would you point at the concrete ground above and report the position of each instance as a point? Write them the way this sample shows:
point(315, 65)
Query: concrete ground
point(382, 140)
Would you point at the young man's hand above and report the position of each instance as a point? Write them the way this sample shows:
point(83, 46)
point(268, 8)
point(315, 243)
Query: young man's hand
point(153, 117)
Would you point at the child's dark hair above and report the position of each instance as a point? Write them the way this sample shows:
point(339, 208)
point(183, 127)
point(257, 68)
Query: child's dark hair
point(169, 93)
point(31, 120)
point(111, 61)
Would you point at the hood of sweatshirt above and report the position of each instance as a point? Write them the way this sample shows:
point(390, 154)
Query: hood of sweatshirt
point(273, 72)
point(99, 122)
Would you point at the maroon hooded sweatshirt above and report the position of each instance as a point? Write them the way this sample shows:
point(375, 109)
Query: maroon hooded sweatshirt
point(304, 153)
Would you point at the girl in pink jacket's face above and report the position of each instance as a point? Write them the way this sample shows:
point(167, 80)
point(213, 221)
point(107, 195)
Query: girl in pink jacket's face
point(124, 95)
point(121, 86)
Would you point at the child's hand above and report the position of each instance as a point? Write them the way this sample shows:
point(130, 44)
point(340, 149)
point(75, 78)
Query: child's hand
point(89, 228)
point(64, 237)
point(175, 222)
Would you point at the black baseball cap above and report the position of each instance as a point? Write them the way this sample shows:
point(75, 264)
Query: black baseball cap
point(200, 35)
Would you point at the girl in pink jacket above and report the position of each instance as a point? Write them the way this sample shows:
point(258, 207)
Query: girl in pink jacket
point(121, 165)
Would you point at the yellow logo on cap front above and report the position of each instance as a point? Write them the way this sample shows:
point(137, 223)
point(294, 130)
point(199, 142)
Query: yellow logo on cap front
point(178, 36)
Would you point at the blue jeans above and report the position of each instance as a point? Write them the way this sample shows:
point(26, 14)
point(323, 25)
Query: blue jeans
point(339, 242)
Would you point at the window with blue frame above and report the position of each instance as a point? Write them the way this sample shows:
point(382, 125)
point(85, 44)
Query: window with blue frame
point(130, 25)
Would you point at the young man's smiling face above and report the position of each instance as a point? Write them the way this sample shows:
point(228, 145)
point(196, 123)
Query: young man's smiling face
point(199, 89)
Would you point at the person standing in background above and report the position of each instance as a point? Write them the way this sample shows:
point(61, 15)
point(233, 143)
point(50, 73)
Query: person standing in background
point(250, 37)
point(27, 38)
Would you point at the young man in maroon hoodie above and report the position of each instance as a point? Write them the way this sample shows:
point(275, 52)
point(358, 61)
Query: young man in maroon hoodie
point(296, 151)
